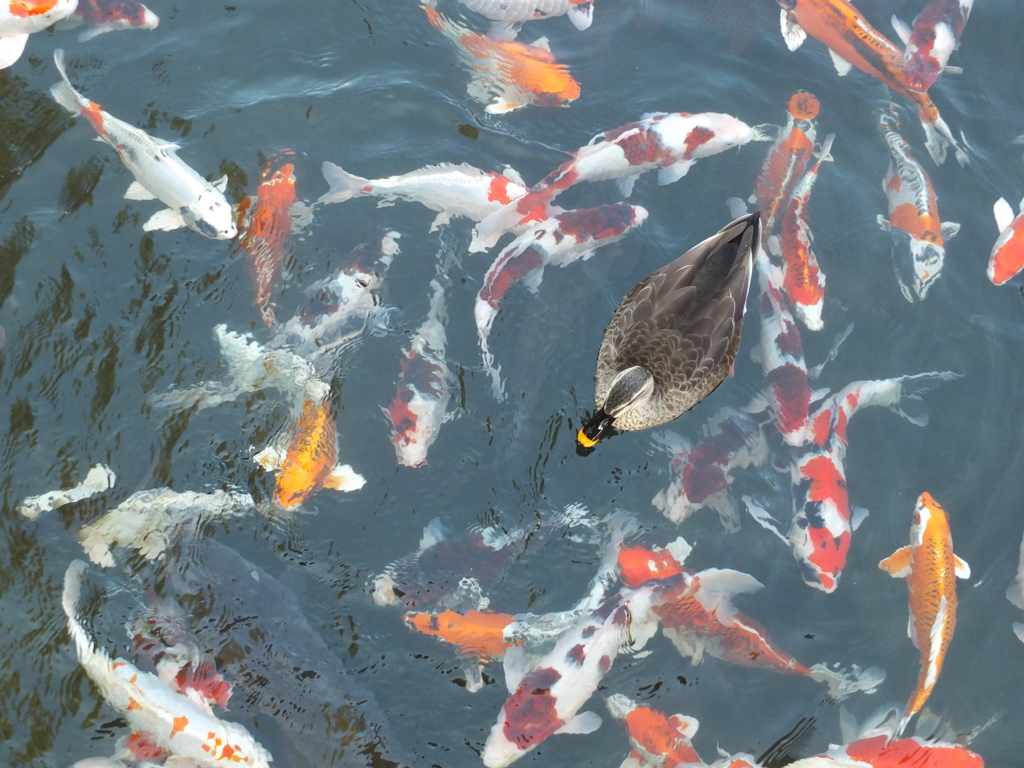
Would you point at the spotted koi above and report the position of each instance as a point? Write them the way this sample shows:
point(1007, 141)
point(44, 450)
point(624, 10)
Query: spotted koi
point(929, 44)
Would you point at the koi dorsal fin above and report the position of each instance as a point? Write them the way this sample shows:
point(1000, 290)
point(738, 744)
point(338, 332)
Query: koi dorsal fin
point(897, 564)
point(961, 568)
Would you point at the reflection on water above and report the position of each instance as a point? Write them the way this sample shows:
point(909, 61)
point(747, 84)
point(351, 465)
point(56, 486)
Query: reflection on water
point(99, 317)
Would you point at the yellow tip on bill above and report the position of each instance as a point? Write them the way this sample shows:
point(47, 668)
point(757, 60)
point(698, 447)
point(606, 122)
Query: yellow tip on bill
point(585, 441)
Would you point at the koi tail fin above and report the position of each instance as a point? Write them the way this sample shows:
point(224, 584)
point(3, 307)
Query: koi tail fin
point(910, 405)
point(485, 314)
point(841, 682)
point(344, 185)
point(96, 663)
point(63, 92)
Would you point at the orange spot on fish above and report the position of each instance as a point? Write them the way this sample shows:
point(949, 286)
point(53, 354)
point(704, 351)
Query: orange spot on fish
point(178, 725)
point(26, 8)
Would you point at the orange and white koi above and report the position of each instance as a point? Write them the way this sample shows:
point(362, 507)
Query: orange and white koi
point(266, 225)
point(802, 279)
point(421, 399)
point(879, 752)
point(931, 570)
point(1015, 593)
point(309, 463)
point(1007, 257)
point(102, 16)
point(159, 173)
point(659, 741)
point(919, 237)
point(853, 42)
point(667, 142)
point(21, 18)
point(451, 190)
point(936, 32)
point(566, 237)
point(823, 522)
point(507, 75)
point(179, 724)
point(787, 159)
point(507, 15)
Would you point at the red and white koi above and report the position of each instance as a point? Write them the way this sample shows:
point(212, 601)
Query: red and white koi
point(507, 74)
point(451, 190)
point(507, 15)
point(667, 142)
point(659, 741)
point(159, 173)
point(919, 247)
point(266, 224)
point(853, 42)
point(935, 34)
point(1015, 593)
point(880, 752)
point(701, 474)
point(566, 237)
point(1007, 257)
point(102, 16)
point(787, 158)
point(822, 521)
point(182, 725)
point(931, 570)
point(802, 279)
point(21, 18)
point(418, 408)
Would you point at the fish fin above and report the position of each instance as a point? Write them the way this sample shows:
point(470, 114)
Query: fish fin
point(736, 207)
point(504, 31)
point(440, 220)
point(883, 223)
point(136, 191)
point(857, 517)
point(220, 184)
point(680, 549)
point(961, 568)
point(764, 132)
point(688, 646)
point(512, 174)
point(474, 675)
point(716, 587)
point(792, 32)
point(1018, 630)
point(582, 15)
point(625, 184)
point(343, 185)
point(516, 665)
point(687, 726)
point(949, 229)
point(584, 722)
point(11, 49)
point(269, 458)
point(842, 66)
point(897, 564)
point(953, 70)
point(533, 280)
point(88, 34)
point(764, 518)
point(164, 220)
point(1003, 213)
point(674, 172)
point(913, 638)
point(543, 43)
point(902, 30)
point(344, 478)
point(433, 534)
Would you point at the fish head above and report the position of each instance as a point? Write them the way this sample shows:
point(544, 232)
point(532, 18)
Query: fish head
point(211, 215)
point(917, 263)
point(728, 132)
point(921, 71)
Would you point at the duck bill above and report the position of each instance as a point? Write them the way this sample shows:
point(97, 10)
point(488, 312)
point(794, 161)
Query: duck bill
point(592, 431)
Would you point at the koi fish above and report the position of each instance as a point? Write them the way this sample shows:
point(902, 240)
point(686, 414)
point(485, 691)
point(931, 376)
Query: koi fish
point(1007, 257)
point(659, 741)
point(507, 16)
point(508, 74)
point(20, 18)
point(175, 722)
point(935, 34)
point(566, 237)
point(547, 699)
point(637, 564)
point(309, 464)
point(480, 637)
point(418, 409)
point(451, 190)
point(110, 15)
point(1015, 593)
point(667, 142)
point(802, 279)
point(99, 479)
point(159, 173)
point(822, 522)
point(853, 42)
point(931, 570)
point(267, 229)
point(701, 474)
point(787, 159)
point(918, 247)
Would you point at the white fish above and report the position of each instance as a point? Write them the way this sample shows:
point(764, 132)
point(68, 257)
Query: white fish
point(102, 16)
point(20, 18)
point(159, 173)
point(100, 478)
point(508, 15)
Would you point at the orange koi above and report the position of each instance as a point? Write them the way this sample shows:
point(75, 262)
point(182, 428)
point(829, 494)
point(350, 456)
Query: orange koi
point(1007, 257)
point(479, 636)
point(267, 230)
point(657, 739)
point(514, 73)
point(931, 570)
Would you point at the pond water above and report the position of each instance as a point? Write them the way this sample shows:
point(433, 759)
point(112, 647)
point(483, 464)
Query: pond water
point(99, 316)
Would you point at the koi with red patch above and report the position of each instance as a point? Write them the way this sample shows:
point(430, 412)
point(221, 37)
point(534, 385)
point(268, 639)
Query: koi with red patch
point(1007, 257)
point(881, 752)
point(659, 741)
point(507, 15)
point(566, 237)
point(787, 159)
point(853, 42)
point(267, 229)
point(929, 44)
point(931, 570)
point(918, 236)
point(667, 142)
point(506, 73)
point(21, 18)
point(111, 15)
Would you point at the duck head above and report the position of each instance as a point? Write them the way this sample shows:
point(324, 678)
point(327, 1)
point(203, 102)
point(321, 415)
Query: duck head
point(631, 389)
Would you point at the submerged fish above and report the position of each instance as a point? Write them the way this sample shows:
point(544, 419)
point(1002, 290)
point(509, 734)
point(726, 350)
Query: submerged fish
point(20, 18)
point(102, 16)
point(659, 741)
point(1007, 257)
point(936, 32)
point(508, 15)
point(159, 173)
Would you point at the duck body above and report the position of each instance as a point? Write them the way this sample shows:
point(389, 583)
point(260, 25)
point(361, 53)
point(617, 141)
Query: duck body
point(675, 336)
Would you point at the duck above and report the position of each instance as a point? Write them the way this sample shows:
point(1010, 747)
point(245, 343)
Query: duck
point(674, 337)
